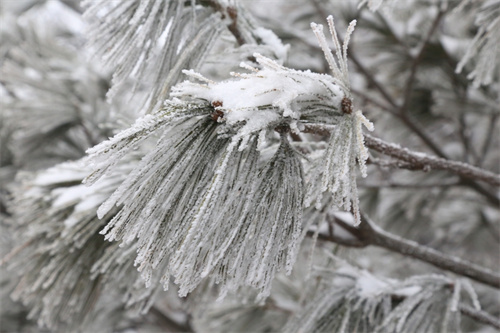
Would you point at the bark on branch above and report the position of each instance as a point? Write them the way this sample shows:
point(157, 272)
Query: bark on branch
point(369, 233)
point(426, 163)
point(411, 160)
point(479, 315)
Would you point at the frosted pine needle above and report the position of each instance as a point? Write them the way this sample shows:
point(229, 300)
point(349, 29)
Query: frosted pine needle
point(150, 40)
point(484, 48)
point(188, 204)
point(346, 142)
point(353, 300)
point(268, 237)
point(339, 66)
point(60, 228)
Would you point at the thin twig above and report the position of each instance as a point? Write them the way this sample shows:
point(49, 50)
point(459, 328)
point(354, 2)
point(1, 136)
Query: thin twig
point(373, 101)
point(233, 15)
point(426, 162)
point(371, 79)
point(404, 185)
point(402, 110)
point(488, 140)
point(410, 122)
point(416, 62)
point(479, 315)
point(389, 241)
point(368, 233)
point(464, 135)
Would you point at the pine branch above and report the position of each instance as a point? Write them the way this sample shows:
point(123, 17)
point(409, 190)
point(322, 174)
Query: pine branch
point(354, 300)
point(405, 117)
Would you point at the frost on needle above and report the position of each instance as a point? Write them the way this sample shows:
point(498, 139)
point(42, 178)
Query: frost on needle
point(346, 144)
point(205, 202)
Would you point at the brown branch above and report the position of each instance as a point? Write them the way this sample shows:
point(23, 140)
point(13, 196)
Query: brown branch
point(370, 234)
point(394, 164)
point(479, 315)
point(233, 15)
point(438, 259)
point(425, 162)
point(407, 159)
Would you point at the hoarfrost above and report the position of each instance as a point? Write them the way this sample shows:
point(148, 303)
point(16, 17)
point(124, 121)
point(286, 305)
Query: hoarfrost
point(199, 205)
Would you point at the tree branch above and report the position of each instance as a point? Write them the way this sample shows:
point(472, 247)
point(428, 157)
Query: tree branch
point(400, 111)
point(416, 62)
point(381, 238)
point(233, 15)
point(488, 140)
point(370, 234)
point(408, 159)
point(425, 162)
point(391, 184)
point(479, 315)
